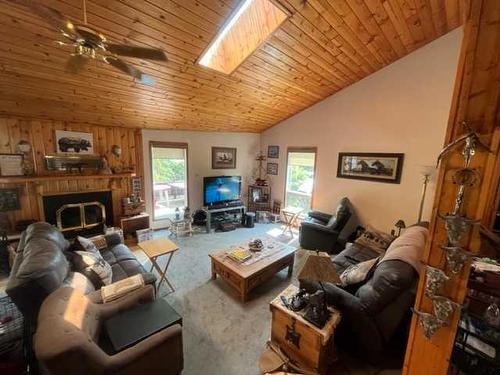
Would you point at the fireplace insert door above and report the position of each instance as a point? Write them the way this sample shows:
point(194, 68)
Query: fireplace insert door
point(169, 163)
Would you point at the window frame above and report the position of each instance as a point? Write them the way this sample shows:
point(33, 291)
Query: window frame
point(306, 150)
point(161, 144)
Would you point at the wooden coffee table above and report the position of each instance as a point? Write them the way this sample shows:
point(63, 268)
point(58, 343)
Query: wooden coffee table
point(245, 277)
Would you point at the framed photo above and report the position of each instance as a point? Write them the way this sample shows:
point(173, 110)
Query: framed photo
point(273, 152)
point(11, 165)
point(9, 200)
point(223, 158)
point(68, 142)
point(272, 168)
point(379, 167)
point(136, 185)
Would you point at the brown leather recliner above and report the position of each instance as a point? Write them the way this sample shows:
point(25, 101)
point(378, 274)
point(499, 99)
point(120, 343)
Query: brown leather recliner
point(69, 325)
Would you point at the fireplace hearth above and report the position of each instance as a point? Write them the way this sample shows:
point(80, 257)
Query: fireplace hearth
point(85, 213)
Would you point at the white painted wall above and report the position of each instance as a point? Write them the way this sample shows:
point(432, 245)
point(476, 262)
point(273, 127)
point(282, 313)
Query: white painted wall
point(199, 159)
point(404, 107)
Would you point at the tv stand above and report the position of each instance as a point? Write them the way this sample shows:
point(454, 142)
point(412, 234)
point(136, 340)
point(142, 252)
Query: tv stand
point(213, 211)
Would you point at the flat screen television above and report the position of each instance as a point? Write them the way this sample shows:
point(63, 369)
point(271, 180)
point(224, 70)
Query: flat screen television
point(221, 189)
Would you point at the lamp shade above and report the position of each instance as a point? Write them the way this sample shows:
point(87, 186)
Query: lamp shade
point(318, 267)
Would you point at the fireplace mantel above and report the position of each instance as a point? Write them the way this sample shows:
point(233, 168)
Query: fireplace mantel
point(58, 177)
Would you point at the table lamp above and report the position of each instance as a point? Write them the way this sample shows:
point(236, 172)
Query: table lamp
point(319, 268)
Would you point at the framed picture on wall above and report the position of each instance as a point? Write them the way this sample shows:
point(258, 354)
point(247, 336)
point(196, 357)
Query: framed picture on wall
point(11, 165)
point(272, 168)
point(223, 158)
point(273, 152)
point(379, 167)
point(68, 142)
point(9, 199)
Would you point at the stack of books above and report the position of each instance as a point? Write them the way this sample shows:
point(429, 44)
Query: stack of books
point(239, 254)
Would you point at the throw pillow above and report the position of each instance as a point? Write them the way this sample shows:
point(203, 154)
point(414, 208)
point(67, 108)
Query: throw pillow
point(85, 244)
point(93, 265)
point(375, 240)
point(357, 273)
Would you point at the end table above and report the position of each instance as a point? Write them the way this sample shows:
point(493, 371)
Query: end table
point(300, 340)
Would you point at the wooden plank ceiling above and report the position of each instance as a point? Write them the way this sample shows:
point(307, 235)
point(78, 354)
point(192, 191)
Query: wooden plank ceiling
point(323, 47)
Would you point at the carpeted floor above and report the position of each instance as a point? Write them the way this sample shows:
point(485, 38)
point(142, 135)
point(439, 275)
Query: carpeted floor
point(222, 335)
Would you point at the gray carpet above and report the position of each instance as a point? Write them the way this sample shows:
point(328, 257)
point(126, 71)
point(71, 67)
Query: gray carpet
point(222, 335)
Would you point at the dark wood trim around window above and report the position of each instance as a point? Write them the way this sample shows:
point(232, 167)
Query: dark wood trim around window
point(301, 149)
point(181, 145)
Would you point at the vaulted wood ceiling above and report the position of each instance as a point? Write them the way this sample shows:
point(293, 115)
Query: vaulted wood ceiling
point(323, 47)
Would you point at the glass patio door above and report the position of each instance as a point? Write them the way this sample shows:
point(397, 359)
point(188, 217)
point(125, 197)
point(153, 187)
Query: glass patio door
point(169, 174)
point(300, 171)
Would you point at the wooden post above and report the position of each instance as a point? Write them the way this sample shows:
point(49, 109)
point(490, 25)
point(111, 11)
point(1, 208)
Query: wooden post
point(475, 101)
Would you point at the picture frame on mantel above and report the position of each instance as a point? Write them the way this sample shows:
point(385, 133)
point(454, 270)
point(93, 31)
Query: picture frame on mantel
point(223, 157)
point(371, 166)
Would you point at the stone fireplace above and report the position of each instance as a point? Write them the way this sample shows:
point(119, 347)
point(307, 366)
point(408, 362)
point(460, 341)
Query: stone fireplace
point(83, 213)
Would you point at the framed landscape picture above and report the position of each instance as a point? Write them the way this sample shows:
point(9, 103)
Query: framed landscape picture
point(223, 158)
point(379, 167)
point(68, 142)
point(272, 168)
point(273, 152)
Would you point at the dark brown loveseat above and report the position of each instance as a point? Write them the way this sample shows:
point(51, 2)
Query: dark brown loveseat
point(41, 267)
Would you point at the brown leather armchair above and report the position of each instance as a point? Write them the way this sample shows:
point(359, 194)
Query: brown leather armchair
point(69, 324)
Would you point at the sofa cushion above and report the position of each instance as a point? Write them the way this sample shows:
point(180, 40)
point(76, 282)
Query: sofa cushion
point(93, 266)
point(79, 281)
point(341, 215)
point(352, 254)
point(42, 230)
point(85, 244)
point(117, 253)
point(357, 273)
point(126, 268)
point(42, 257)
point(376, 240)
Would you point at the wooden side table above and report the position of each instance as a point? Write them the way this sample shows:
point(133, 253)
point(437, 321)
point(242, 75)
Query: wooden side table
point(290, 215)
point(303, 342)
point(156, 248)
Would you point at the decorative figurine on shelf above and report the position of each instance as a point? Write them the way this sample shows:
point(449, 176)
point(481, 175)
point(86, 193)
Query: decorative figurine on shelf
point(177, 213)
point(105, 166)
point(24, 148)
point(116, 150)
point(260, 172)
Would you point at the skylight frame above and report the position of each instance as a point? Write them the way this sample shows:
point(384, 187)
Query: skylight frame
point(226, 27)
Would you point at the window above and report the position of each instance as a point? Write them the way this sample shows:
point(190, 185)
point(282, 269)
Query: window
point(169, 174)
point(300, 172)
point(247, 28)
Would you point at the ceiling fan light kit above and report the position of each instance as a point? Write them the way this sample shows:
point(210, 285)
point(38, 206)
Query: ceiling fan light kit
point(89, 44)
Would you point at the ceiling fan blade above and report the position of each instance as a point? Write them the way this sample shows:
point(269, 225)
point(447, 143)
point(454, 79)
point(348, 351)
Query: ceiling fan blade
point(133, 51)
point(130, 70)
point(52, 16)
point(76, 63)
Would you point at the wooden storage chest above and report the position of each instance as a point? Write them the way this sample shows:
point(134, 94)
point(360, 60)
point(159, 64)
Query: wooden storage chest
point(300, 340)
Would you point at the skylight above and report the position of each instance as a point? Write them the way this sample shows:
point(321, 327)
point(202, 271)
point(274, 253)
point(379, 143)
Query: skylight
point(247, 28)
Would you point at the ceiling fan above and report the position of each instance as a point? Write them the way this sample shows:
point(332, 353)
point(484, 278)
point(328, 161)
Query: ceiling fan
point(90, 44)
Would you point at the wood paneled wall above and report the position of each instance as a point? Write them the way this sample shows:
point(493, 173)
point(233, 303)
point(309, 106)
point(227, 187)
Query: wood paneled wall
point(476, 101)
point(41, 135)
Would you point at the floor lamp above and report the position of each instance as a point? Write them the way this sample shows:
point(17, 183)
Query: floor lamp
point(426, 171)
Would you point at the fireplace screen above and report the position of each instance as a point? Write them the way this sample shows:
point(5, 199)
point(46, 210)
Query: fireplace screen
point(80, 216)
